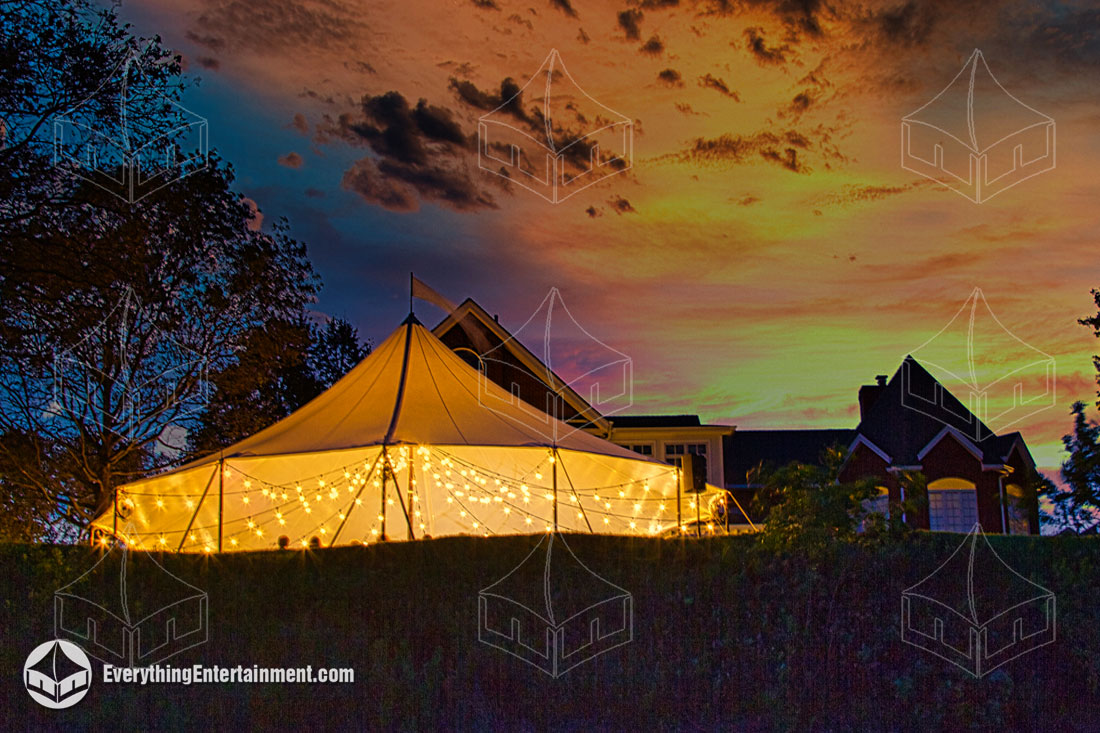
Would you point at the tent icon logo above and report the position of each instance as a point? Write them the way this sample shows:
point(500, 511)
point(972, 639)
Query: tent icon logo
point(975, 137)
point(154, 142)
point(57, 674)
point(563, 143)
point(1003, 379)
point(553, 612)
point(131, 614)
point(975, 611)
point(571, 381)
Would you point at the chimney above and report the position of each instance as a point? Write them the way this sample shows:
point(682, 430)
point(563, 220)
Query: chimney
point(868, 394)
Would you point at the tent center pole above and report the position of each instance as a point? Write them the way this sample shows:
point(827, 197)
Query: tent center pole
point(221, 499)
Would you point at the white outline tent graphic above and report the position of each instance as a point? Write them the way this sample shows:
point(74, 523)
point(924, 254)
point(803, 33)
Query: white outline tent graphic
point(975, 611)
point(401, 447)
point(131, 614)
point(553, 612)
point(134, 159)
point(602, 375)
point(538, 148)
point(975, 137)
point(1003, 379)
point(57, 676)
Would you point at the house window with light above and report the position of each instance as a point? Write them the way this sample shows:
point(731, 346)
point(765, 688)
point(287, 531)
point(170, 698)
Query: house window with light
point(673, 451)
point(952, 505)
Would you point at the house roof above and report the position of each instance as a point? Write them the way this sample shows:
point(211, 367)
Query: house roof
point(655, 421)
point(913, 409)
point(746, 449)
point(503, 342)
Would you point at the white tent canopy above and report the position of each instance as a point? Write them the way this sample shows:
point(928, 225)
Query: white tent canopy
point(406, 445)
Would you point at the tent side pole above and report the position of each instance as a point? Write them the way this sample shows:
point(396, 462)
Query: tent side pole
point(197, 508)
point(408, 513)
point(554, 474)
point(573, 490)
point(679, 505)
point(385, 473)
point(221, 499)
point(352, 506)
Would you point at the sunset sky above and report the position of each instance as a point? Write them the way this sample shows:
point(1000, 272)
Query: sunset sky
point(765, 255)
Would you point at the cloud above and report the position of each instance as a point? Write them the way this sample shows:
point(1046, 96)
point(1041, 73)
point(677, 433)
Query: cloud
point(862, 193)
point(299, 123)
point(291, 160)
point(718, 84)
point(747, 200)
point(486, 4)
point(686, 108)
point(629, 20)
point(564, 6)
point(209, 62)
point(764, 54)
point(653, 47)
point(420, 153)
point(257, 219)
point(621, 206)
point(593, 212)
point(671, 77)
point(315, 193)
point(269, 26)
point(779, 148)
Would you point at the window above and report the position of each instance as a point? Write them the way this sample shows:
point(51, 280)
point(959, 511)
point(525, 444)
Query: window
point(880, 503)
point(1017, 510)
point(673, 451)
point(646, 449)
point(952, 505)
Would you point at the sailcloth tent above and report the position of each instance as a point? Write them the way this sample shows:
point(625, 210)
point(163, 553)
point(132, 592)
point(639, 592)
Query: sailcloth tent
point(402, 448)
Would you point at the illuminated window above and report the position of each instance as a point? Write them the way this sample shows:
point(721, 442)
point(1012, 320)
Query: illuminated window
point(952, 505)
point(1017, 510)
point(646, 449)
point(673, 451)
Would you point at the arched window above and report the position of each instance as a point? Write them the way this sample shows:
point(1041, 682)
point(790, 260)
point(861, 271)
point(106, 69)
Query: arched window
point(952, 505)
point(1017, 510)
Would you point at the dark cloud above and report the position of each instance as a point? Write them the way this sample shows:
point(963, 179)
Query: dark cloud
point(671, 77)
point(299, 123)
point(855, 194)
point(909, 25)
point(719, 85)
point(778, 148)
point(686, 108)
point(268, 26)
point(291, 160)
point(520, 20)
point(209, 62)
point(764, 54)
point(629, 20)
point(621, 206)
point(653, 47)
point(593, 212)
point(747, 200)
point(486, 4)
point(801, 16)
point(314, 193)
point(582, 36)
point(420, 153)
point(657, 4)
point(564, 6)
point(361, 66)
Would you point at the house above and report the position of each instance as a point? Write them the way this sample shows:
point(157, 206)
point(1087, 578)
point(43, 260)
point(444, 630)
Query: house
point(973, 474)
